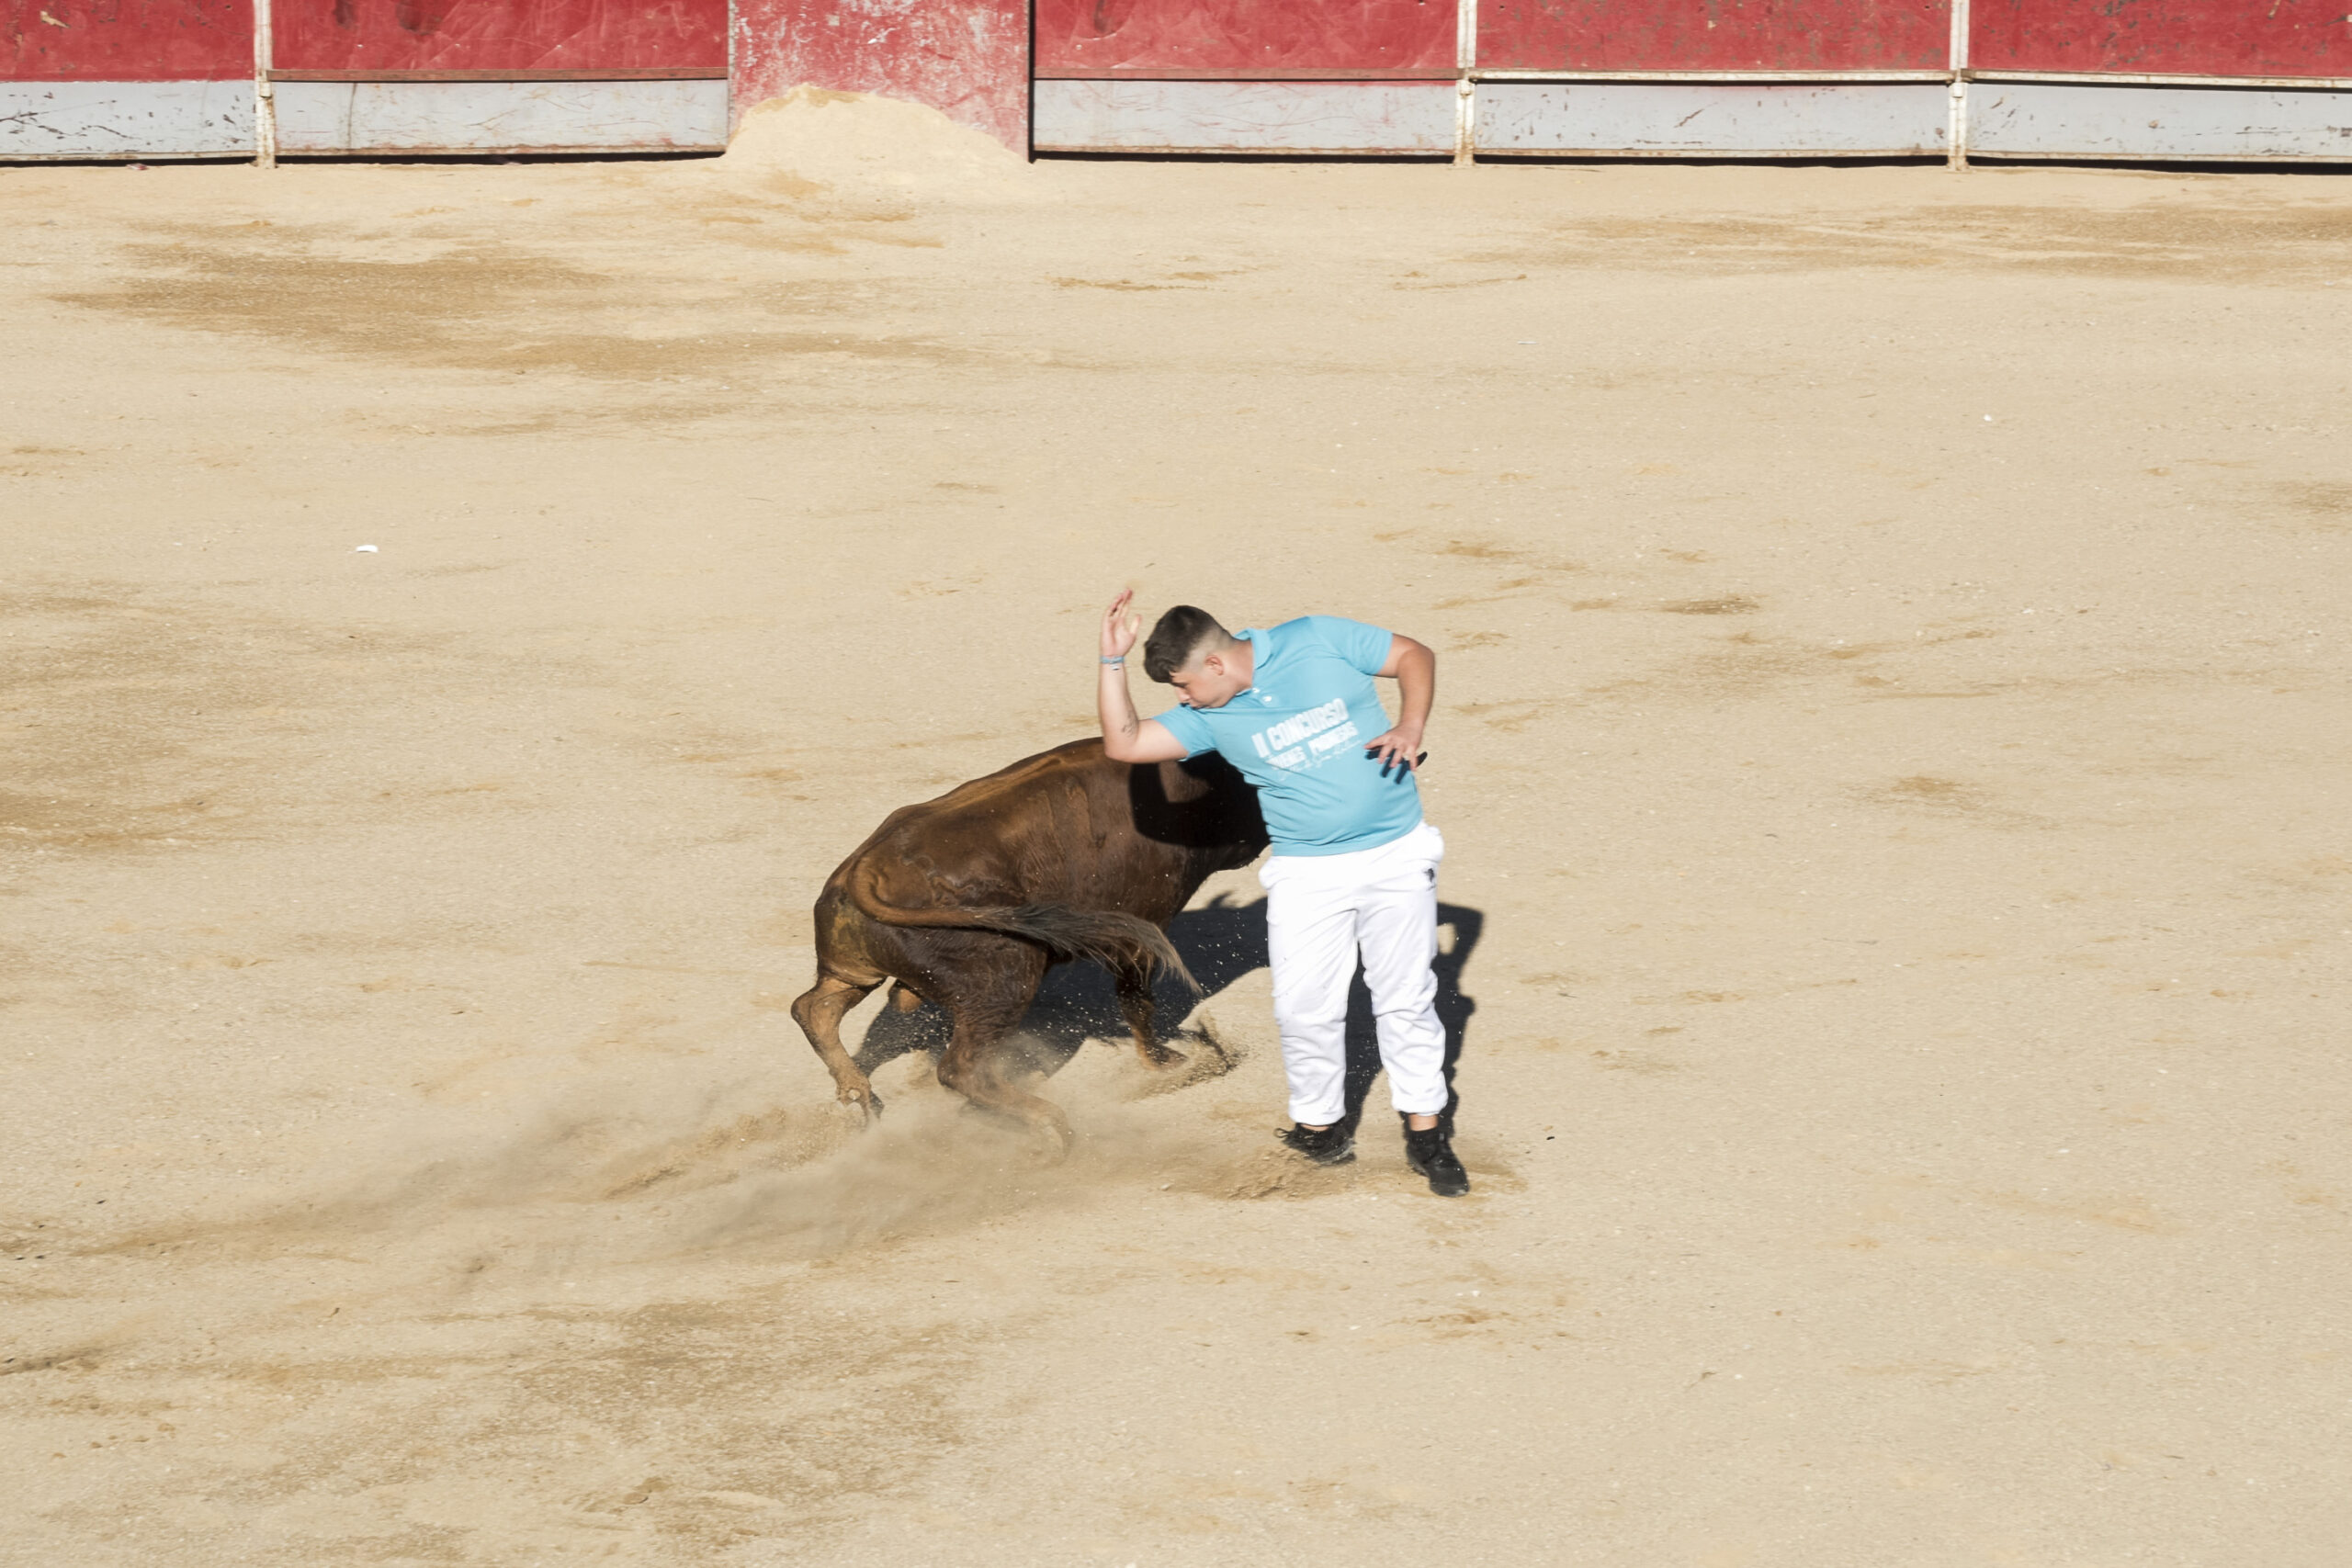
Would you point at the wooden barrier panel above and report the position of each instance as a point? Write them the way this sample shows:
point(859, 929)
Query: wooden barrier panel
point(1244, 40)
point(2162, 38)
point(1714, 35)
point(968, 59)
point(124, 79)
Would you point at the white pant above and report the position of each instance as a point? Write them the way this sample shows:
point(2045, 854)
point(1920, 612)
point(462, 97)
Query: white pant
point(1319, 911)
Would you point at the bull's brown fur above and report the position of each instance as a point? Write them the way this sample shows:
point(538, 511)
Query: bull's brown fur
point(967, 901)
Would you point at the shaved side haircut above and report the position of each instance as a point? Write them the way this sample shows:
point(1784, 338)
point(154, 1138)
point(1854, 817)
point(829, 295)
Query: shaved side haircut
point(1182, 634)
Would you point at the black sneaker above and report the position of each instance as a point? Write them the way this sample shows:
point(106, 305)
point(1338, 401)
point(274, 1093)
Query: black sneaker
point(1335, 1145)
point(1430, 1154)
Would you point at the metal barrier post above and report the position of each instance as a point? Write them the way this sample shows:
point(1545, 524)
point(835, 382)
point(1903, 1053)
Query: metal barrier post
point(1956, 137)
point(1465, 89)
point(264, 97)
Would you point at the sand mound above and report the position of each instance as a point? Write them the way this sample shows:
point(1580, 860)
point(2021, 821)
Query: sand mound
point(858, 143)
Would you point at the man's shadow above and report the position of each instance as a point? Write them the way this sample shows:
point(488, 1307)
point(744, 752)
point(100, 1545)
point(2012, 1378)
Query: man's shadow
point(1221, 942)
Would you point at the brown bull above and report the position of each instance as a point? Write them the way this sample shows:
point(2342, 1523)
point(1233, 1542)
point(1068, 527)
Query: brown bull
point(966, 901)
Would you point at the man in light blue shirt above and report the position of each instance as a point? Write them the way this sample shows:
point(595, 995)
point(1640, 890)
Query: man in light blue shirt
point(1354, 867)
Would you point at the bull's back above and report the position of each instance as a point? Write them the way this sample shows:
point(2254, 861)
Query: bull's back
point(1067, 826)
point(1010, 836)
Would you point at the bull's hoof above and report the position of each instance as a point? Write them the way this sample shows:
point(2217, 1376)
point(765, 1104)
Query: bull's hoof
point(868, 1103)
point(1159, 1058)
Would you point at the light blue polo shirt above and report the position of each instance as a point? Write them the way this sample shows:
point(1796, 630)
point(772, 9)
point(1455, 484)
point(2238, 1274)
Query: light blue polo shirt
point(1298, 733)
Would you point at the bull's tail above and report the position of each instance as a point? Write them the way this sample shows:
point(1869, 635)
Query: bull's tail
point(1110, 939)
point(1114, 940)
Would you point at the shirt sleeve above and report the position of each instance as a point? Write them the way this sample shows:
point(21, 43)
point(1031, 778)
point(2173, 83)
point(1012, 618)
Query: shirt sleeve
point(1190, 730)
point(1363, 646)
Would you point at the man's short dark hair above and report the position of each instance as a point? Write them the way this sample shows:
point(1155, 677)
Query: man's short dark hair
point(1179, 636)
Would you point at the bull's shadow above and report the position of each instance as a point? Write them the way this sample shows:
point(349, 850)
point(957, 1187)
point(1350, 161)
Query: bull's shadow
point(1221, 942)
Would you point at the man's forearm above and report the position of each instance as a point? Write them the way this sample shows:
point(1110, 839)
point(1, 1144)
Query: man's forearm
point(1416, 689)
point(1116, 709)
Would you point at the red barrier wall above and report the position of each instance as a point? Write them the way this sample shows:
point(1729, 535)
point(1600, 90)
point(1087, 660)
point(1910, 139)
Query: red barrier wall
point(968, 59)
point(125, 40)
point(2163, 37)
point(498, 35)
point(1228, 39)
point(1714, 35)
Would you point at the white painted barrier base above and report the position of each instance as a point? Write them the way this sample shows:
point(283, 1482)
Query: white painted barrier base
point(1701, 120)
point(500, 117)
point(1712, 119)
point(126, 120)
point(2123, 121)
point(1298, 117)
point(1634, 120)
point(2129, 121)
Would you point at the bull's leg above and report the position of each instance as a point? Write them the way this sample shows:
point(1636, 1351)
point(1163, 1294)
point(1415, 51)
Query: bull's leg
point(973, 1066)
point(1136, 1006)
point(819, 1012)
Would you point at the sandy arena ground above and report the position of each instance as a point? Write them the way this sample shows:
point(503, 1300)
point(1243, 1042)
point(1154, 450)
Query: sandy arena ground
point(1892, 739)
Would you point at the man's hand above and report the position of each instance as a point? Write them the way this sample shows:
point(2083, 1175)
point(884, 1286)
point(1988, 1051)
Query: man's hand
point(1126, 737)
point(1400, 747)
point(1119, 628)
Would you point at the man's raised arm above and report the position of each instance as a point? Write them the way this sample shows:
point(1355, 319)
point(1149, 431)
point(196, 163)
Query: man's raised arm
point(1126, 737)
